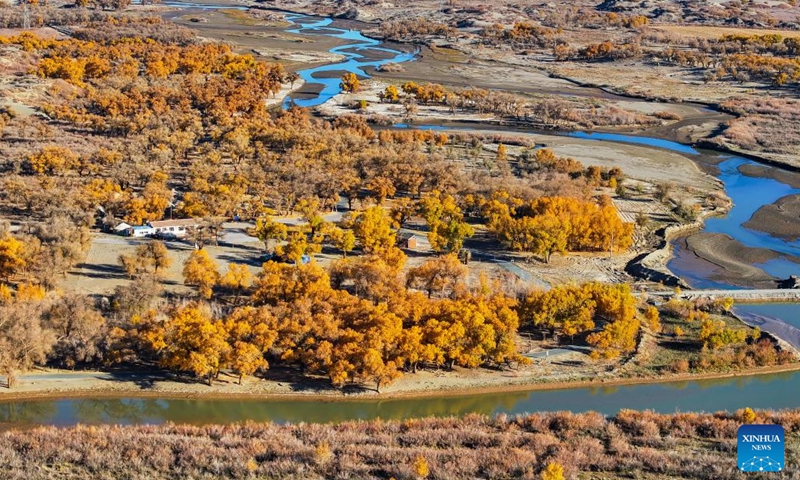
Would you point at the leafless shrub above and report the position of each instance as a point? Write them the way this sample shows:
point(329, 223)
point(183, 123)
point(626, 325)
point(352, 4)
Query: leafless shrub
point(391, 68)
point(664, 115)
point(469, 447)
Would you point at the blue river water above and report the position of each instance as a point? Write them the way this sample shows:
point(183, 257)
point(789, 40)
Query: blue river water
point(787, 312)
point(650, 142)
point(328, 76)
point(748, 195)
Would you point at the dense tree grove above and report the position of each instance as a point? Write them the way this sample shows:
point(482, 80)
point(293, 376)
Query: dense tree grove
point(187, 126)
point(573, 310)
point(294, 316)
point(551, 225)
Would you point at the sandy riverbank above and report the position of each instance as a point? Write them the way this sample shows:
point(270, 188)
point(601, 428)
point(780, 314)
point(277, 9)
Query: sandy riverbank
point(134, 389)
point(788, 177)
point(780, 219)
point(733, 262)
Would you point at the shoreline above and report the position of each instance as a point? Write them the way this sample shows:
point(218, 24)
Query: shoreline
point(420, 394)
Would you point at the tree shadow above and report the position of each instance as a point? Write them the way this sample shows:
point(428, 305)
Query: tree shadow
point(105, 271)
point(678, 346)
point(304, 383)
point(145, 380)
point(412, 253)
point(146, 376)
point(569, 363)
point(253, 261)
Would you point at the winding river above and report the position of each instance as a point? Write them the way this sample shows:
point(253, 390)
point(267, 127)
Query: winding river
point(354, 53)
point(748, 194)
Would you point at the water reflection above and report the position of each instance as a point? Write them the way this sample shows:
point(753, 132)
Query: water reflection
point(27, 412)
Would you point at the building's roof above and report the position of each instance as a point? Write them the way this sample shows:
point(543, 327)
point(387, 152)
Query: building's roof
point(143, 227)
point(122, 226)
point(182, 222)
point(404, 237)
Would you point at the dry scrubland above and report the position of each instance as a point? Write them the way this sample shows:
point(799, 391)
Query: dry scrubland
point(641, 445)
point(735, 55)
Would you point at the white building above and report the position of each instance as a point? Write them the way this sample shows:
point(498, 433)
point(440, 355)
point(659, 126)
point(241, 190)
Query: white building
point(165, 228)
point(174, 228)
point(143, 231)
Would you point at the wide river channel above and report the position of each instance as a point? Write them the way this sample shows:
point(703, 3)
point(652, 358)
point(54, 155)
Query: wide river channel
point(763, 391)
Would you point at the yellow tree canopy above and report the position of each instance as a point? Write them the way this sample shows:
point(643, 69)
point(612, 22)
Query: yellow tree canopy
point(201, 271)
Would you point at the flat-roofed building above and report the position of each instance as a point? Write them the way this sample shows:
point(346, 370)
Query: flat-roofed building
point(174, 228)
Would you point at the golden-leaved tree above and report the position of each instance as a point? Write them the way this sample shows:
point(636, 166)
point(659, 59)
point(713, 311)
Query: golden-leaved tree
point(447, 228)
point(150, 257)
point(251, 333)
point(573, 309)
point(200, 270)
point(192, 341)
point(373, 229)
point(442, 275)
point(152, 203)
point(350, 82)
point(237, 279)
point(12, 256)
point(53, 160)
point(268, 231)
point(551, 225)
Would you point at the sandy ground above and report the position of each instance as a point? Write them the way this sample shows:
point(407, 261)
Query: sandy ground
point(733, 260)
point(552, 373)
point(563, 367)
point(341, 105)
point(101, 273)
point(639, 162)
point(285, 90)
point(709, 32)
point(642, 163)
point(578, 268)
point(288, 55)
point(780, 219)
point(269, 37)
point(459, 70)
